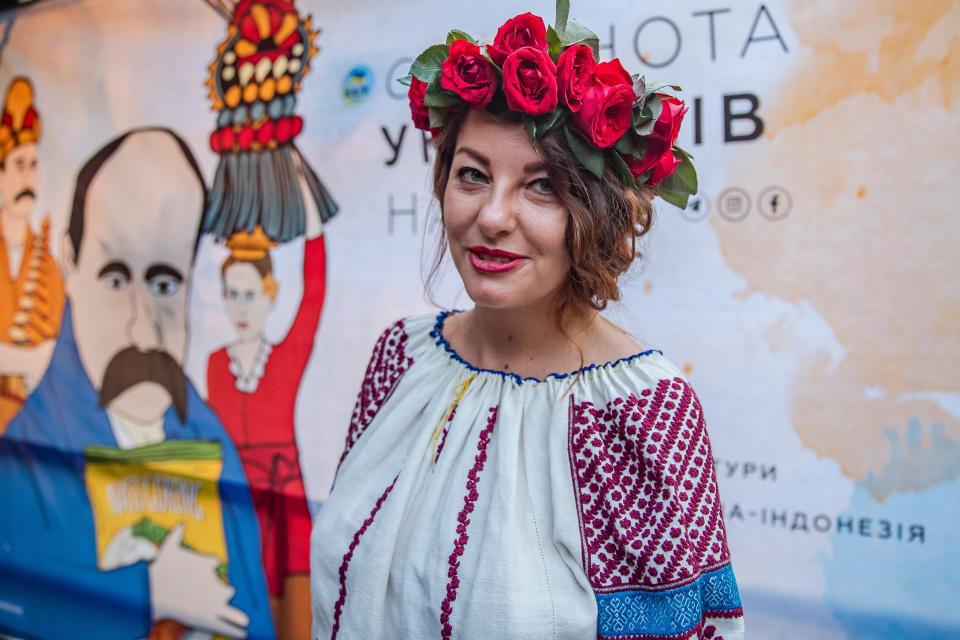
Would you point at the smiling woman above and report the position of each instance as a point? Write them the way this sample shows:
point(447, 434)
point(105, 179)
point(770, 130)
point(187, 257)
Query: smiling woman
point(579, 233)
point(481, 493)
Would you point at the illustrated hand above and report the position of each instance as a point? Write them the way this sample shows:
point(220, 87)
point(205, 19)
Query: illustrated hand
point(184, 587)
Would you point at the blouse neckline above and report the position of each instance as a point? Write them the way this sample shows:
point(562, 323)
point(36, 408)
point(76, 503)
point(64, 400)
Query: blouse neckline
point(437, 334)
point(248, 381)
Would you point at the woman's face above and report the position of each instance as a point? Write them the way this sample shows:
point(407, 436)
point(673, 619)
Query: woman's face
point(505, 224)
point(247, 304)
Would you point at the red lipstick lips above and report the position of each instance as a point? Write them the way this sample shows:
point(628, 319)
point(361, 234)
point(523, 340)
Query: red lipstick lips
point(487, 260)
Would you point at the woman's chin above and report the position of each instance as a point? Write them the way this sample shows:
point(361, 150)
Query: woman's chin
point(499, 297)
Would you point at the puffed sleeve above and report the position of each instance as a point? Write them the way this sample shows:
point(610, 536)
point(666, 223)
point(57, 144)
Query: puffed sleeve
point(388, 362)
point(654, 547)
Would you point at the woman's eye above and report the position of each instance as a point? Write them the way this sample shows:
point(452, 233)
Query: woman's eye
point(469, 174)
point(544, 187)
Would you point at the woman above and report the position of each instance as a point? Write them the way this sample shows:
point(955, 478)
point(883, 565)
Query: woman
point(253, 385)
point(480, 495)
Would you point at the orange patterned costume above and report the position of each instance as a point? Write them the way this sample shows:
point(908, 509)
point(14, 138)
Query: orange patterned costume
point(32, 298)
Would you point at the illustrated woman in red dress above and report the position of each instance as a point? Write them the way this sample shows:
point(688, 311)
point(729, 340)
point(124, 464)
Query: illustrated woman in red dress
point(252, 385)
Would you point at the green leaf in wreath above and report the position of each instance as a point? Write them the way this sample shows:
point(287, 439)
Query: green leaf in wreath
point(456, 34)
point(678, 200)
point(648, 115)
point(554, 48)
point(683, 151)
point(406, 80)
point(438, 117)
point(560, 20)
point(439, 97)
point(640, 91)
point(427, 65)
point(655, 87)
point(686, 172)
point(621, 167)
point(588, 155)
point(576, 33)
point(643, 126)
point(630, 144)
point(653, 106)
point(548, 121)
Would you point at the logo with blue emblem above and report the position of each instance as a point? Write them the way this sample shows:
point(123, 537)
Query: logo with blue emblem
point(358, 84)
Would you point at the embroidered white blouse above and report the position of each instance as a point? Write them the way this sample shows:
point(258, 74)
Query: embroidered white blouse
point(471, 503)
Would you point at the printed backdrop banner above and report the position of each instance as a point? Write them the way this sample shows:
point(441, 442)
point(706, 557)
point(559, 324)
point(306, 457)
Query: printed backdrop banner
point(809, 291)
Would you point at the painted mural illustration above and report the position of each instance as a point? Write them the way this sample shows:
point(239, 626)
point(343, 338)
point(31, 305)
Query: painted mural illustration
point(124, 483)
point(191, 519)
point(31, 287)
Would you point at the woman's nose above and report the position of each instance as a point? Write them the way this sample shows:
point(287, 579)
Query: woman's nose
point(498, 214)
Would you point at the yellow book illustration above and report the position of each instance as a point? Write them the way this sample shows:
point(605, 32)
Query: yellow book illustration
point(139, 495)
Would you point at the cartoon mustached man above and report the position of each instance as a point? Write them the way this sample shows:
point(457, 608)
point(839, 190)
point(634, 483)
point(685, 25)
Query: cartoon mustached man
point(31, 289)
point(124, 509)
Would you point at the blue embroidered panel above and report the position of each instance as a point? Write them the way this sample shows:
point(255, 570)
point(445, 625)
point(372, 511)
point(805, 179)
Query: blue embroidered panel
point(664, 613)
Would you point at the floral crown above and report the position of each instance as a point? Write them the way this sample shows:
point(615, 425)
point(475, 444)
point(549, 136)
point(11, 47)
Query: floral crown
point(552, 76)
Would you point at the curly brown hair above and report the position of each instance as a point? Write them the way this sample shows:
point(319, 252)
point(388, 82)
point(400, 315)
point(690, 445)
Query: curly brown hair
point(606, 216)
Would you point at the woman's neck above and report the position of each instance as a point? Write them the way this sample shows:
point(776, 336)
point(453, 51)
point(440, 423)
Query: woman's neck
point(247, 350)
point(526, 341)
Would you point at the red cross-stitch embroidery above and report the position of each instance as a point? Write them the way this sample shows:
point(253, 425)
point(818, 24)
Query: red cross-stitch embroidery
point(387, 365)
point(646, 489)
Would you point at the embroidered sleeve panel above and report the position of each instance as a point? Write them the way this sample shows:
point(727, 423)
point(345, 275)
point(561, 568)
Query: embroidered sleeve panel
point(387, 365)
point(651, 528)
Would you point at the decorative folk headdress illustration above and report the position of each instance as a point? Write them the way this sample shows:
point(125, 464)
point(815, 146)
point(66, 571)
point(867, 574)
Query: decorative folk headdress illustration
point(254, 81)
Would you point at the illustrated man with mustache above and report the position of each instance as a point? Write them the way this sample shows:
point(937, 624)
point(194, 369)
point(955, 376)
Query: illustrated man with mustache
point(31, 288)
point(124, 510)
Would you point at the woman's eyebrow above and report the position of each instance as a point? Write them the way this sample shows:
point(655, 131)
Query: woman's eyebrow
point(476, 155)
point(535, 167)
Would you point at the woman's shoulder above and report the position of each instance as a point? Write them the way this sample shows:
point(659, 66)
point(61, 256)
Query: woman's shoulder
point(409, 328)
point(624, 366)
point(399, 342)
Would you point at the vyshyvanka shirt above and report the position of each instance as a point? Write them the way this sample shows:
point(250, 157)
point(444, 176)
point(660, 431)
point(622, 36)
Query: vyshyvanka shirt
point(472, 503)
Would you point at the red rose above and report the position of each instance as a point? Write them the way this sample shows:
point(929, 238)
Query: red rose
point(530, 81)
point(525, 30)
point(663, 162)
point(612, 73)
point(575, 69)
point(666, 164)
point(606, 113)
point(418, 110)
point(659, 155)
point(667, 127)
point(468, 74)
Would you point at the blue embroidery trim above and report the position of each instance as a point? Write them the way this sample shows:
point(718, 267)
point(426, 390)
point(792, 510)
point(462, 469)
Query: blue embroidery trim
point(666, 613)
point(437, 334)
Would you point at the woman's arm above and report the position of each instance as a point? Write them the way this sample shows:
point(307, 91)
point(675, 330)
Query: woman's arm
point(651, 524)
